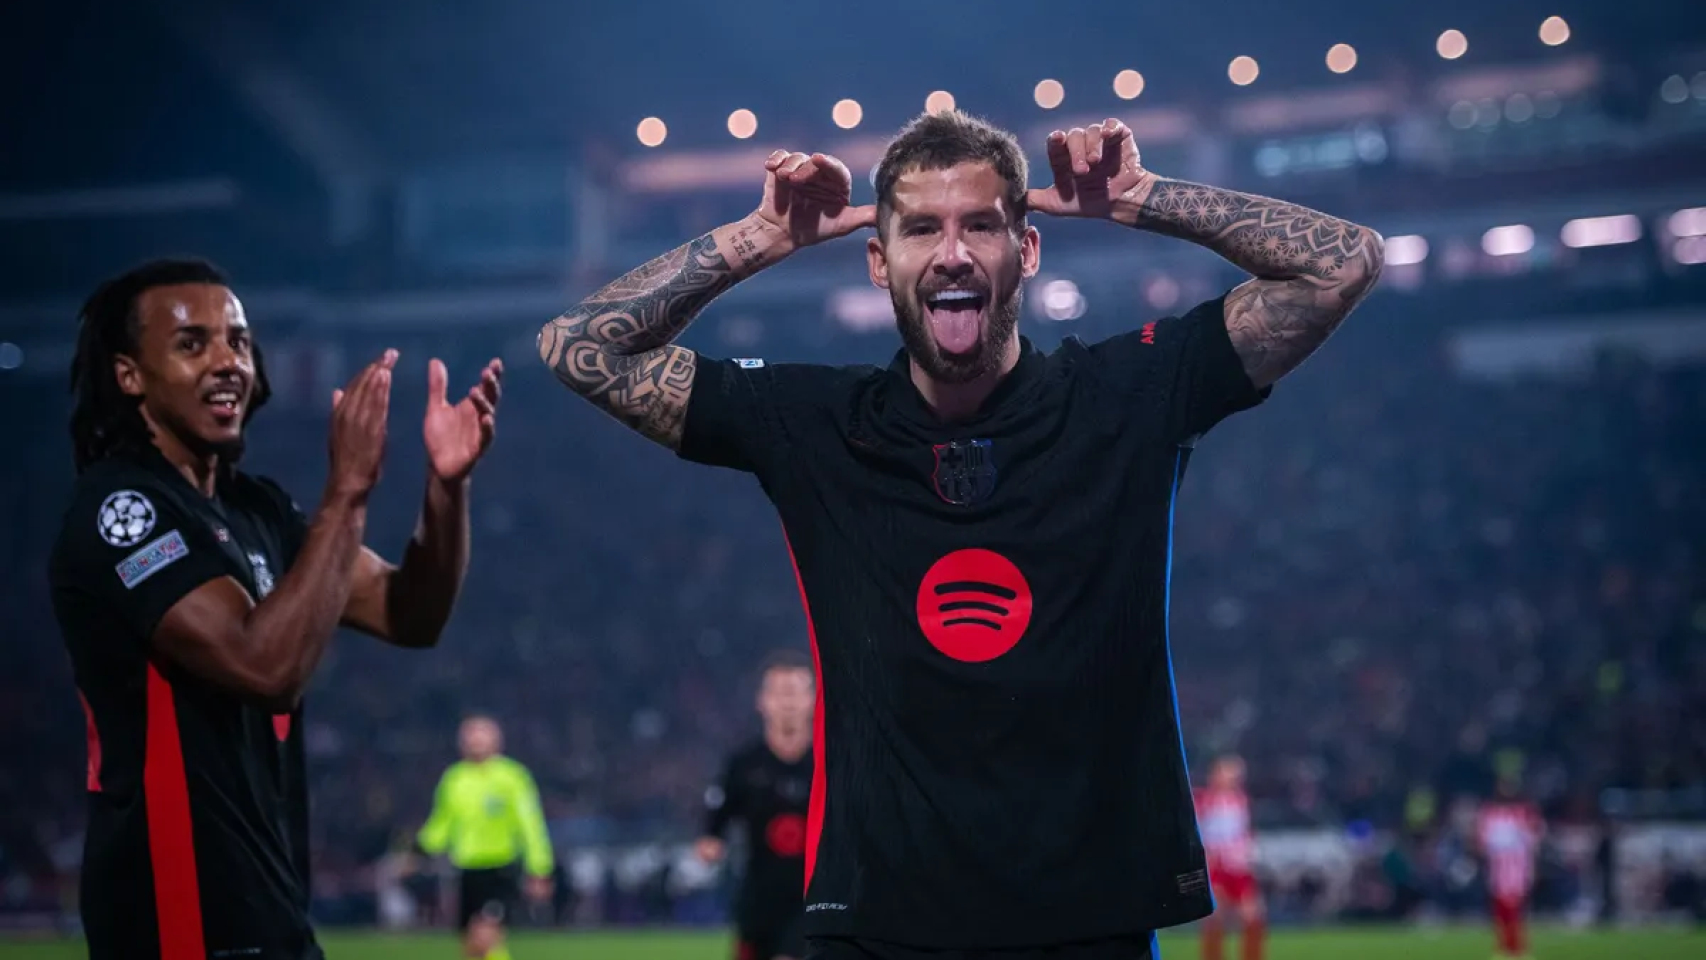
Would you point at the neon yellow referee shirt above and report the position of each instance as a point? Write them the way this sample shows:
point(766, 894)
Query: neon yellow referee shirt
point(487, 815)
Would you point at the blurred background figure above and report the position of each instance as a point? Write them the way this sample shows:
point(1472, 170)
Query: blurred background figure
point(486, 816)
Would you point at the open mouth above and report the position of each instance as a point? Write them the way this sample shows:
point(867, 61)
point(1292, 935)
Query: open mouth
point(225, 401)
point(955, 318)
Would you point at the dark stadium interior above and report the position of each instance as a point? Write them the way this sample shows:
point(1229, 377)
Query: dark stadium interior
point(1468, 539)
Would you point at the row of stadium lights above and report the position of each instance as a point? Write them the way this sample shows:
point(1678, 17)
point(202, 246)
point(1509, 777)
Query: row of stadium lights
point(1128, 85)
point(1686, 230)
point(1520, 107)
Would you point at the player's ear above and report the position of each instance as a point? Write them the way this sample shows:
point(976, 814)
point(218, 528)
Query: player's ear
point(877, 259)
point(128, 374)
point(1030, 251)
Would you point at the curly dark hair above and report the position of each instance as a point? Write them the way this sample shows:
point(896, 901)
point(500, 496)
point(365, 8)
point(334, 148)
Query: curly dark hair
point(104, 420)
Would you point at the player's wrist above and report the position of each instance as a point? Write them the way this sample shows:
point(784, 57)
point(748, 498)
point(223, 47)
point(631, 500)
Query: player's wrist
point(1127, 209)
point(755, 242)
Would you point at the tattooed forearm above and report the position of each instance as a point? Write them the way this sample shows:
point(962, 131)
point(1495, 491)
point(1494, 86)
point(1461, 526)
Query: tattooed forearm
point(1311, 270)
point(616, 347)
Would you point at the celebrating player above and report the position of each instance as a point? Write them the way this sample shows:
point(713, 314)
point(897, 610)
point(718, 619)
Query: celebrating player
point(196, 601)
point(1507, 832)
point(766, 786)
point(486, 814)
point(980, 531)
point(1223, 811)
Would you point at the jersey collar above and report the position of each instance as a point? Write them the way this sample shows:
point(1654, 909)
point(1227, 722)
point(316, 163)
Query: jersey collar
point(907, 399)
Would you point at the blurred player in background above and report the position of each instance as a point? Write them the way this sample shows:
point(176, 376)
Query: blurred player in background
point(486, 813)
point(1507, 832)
point(767, 786)
point(1223, 815)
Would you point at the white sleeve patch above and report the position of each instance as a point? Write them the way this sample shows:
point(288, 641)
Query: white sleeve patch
point(125, 518)
point(151, 559)
point(748, 363)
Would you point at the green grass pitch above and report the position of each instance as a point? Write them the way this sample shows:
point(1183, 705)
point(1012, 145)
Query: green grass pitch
point(1336, 944)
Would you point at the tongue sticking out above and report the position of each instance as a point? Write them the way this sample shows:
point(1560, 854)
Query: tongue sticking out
point(955, 326)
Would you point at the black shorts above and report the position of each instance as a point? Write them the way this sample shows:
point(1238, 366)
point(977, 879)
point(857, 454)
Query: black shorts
point(770, 934)
point(494, 893)
point(1125, 948)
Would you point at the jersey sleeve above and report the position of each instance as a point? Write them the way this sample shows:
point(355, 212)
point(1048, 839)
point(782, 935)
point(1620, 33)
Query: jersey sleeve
point(721, 803)
point(434, 837)
point(536, 854)
point(1183, 371)
point(128, 547)
point(742, 414)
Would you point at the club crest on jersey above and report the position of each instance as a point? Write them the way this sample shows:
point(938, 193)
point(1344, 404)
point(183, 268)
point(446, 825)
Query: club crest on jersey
point(965, 471)
point(263, 574)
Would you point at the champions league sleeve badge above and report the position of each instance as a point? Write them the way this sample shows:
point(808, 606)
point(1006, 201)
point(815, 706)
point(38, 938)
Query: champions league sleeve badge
point(125, 518)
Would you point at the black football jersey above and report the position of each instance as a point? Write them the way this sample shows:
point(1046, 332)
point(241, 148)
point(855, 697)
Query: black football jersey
point(770, 798)
point(197, 842)
point(998, 755)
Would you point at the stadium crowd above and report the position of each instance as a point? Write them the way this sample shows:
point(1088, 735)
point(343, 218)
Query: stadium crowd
point(1391, 586)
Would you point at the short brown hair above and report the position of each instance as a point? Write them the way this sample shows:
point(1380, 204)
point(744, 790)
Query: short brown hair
point(938, 141)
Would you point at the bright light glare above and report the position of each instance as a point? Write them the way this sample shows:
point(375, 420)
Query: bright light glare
point(939, 102)
point(1452, 44)
point(1341, 58)
point(1688, 223)
point(847, 114)
point(651, 131)
point(1243, 70)
point(1405, 250)
point(1049, 94)
point(1507, 241)
point(1554, 31)
point(1128, 84)
point(1062, 301)
point(1689, 250)
point(742, 124)
point(1601, 231)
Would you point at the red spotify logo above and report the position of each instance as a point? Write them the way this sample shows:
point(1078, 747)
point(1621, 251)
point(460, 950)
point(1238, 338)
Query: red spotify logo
point(786, 835)
point(974, 605)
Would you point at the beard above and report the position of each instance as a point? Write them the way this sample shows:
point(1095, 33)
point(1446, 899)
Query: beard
point(1001, 318)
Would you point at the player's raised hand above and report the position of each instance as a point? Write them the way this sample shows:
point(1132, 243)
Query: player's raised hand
point(457, 436)
point(811, 197)
point(360, 417)
point(1095, 168)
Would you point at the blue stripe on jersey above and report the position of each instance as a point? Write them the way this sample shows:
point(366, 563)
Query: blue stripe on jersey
point(1167, 627)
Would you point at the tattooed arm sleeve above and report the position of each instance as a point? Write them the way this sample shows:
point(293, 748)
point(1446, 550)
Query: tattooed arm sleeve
point(1310, 270)
point(616, 348)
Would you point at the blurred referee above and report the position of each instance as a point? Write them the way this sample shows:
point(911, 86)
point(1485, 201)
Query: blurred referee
point(486, 814)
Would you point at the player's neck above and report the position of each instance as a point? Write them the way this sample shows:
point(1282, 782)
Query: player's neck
point(789, 745)
point(200, 469)
point(953, 402)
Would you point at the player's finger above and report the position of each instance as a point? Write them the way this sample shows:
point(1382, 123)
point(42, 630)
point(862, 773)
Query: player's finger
point(1075, 149)
point(791, 166)
point(1059, 156)
point(831, 169)
point(1093, 144)
point(337, 398)
point(863, 216)
point(775, 160)
point(438, 381)
point(482, 403)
